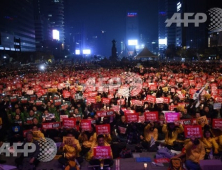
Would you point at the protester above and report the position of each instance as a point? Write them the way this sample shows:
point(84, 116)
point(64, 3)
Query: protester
point(38, 99)
point(32, 156)
point(93, 161)
point(71, 153)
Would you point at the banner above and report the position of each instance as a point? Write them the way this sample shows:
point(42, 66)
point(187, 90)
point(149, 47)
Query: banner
point(122, 129)
point(69, 122)
point(52, 125)
point(166, 100)
point(217, 106)
point(193, 131)
point(13, 99)
point(159, 100)
point(137, 102)
point(151, 116)
point(202, 121)
point(105, 100)
point(109, 112)
point(90, 100)
point(116, 108)
point(86, 124)
point(141, 119)
point(101, 113)
point(38, 102)
point(172, 117)
point(102, 152)
point(24, 100)
point(186, 121)
point(150, 99)
point(64, 106)
point(129, 112)
point(68, 140)
point(63, 116)
point(162, 160)
point(217, 124)
point(134, 117)
point(58, 102)
point(103, 129)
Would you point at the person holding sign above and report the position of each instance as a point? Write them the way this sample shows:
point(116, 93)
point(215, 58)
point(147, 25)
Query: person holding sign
point(93, 160)
point(30, 117)
point(150, 131)
point(220, 144)
point(37, 134)
point(87, 138)
point(209, 142)
point(171, 133)
point(71, 149)
point(122, 127)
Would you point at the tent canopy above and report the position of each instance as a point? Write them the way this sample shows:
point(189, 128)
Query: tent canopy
point(145, 53)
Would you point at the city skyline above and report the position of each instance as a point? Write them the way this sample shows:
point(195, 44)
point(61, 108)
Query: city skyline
point(92, 25)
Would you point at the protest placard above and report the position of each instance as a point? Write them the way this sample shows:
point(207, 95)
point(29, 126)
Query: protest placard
point(86, 124)
point(68, 140)
point(102, 152)
point(69, 122)
point(172, 117)
point(151, 116)
point(193, 131)
point(103, 129)
point(217, 124)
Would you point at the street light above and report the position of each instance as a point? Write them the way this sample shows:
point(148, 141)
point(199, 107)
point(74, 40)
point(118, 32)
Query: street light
point(191, 42)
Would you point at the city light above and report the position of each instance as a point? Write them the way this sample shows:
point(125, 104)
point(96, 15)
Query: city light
point(42, 67)
point(86, 51)
point(55, 34)
point(179, 5)
point(77, 52)
point(132, 42)
point(132, 14)
point(163, 41)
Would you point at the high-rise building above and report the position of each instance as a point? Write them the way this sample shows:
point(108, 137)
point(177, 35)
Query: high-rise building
point(171, 31)
point(17, 32)
point(195, 37)
point(191, 36)
point(132, 32)
point(49, 23)
point(162, 36)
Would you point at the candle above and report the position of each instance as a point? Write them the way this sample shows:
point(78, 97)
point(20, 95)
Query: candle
point(145, 165)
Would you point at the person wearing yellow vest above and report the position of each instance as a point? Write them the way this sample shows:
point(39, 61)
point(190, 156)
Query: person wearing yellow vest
point(150, 133)
point(71, 152)
point(37, 134)
point(171, 133)
point(100, 142)
point(209, 142)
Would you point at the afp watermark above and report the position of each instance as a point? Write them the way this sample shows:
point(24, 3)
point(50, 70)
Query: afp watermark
point(26, 149)
point(47, 149)
point(197, 19)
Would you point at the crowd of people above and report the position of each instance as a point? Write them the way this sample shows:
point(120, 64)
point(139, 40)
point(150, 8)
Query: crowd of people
point(31, 99)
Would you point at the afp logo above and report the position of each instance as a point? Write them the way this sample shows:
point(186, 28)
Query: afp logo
point(198, 18)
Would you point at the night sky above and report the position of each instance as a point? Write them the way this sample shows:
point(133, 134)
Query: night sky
point(110, 16)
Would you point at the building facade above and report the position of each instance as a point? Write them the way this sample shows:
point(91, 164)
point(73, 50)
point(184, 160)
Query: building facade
point(49, 24)
point(17, 31)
